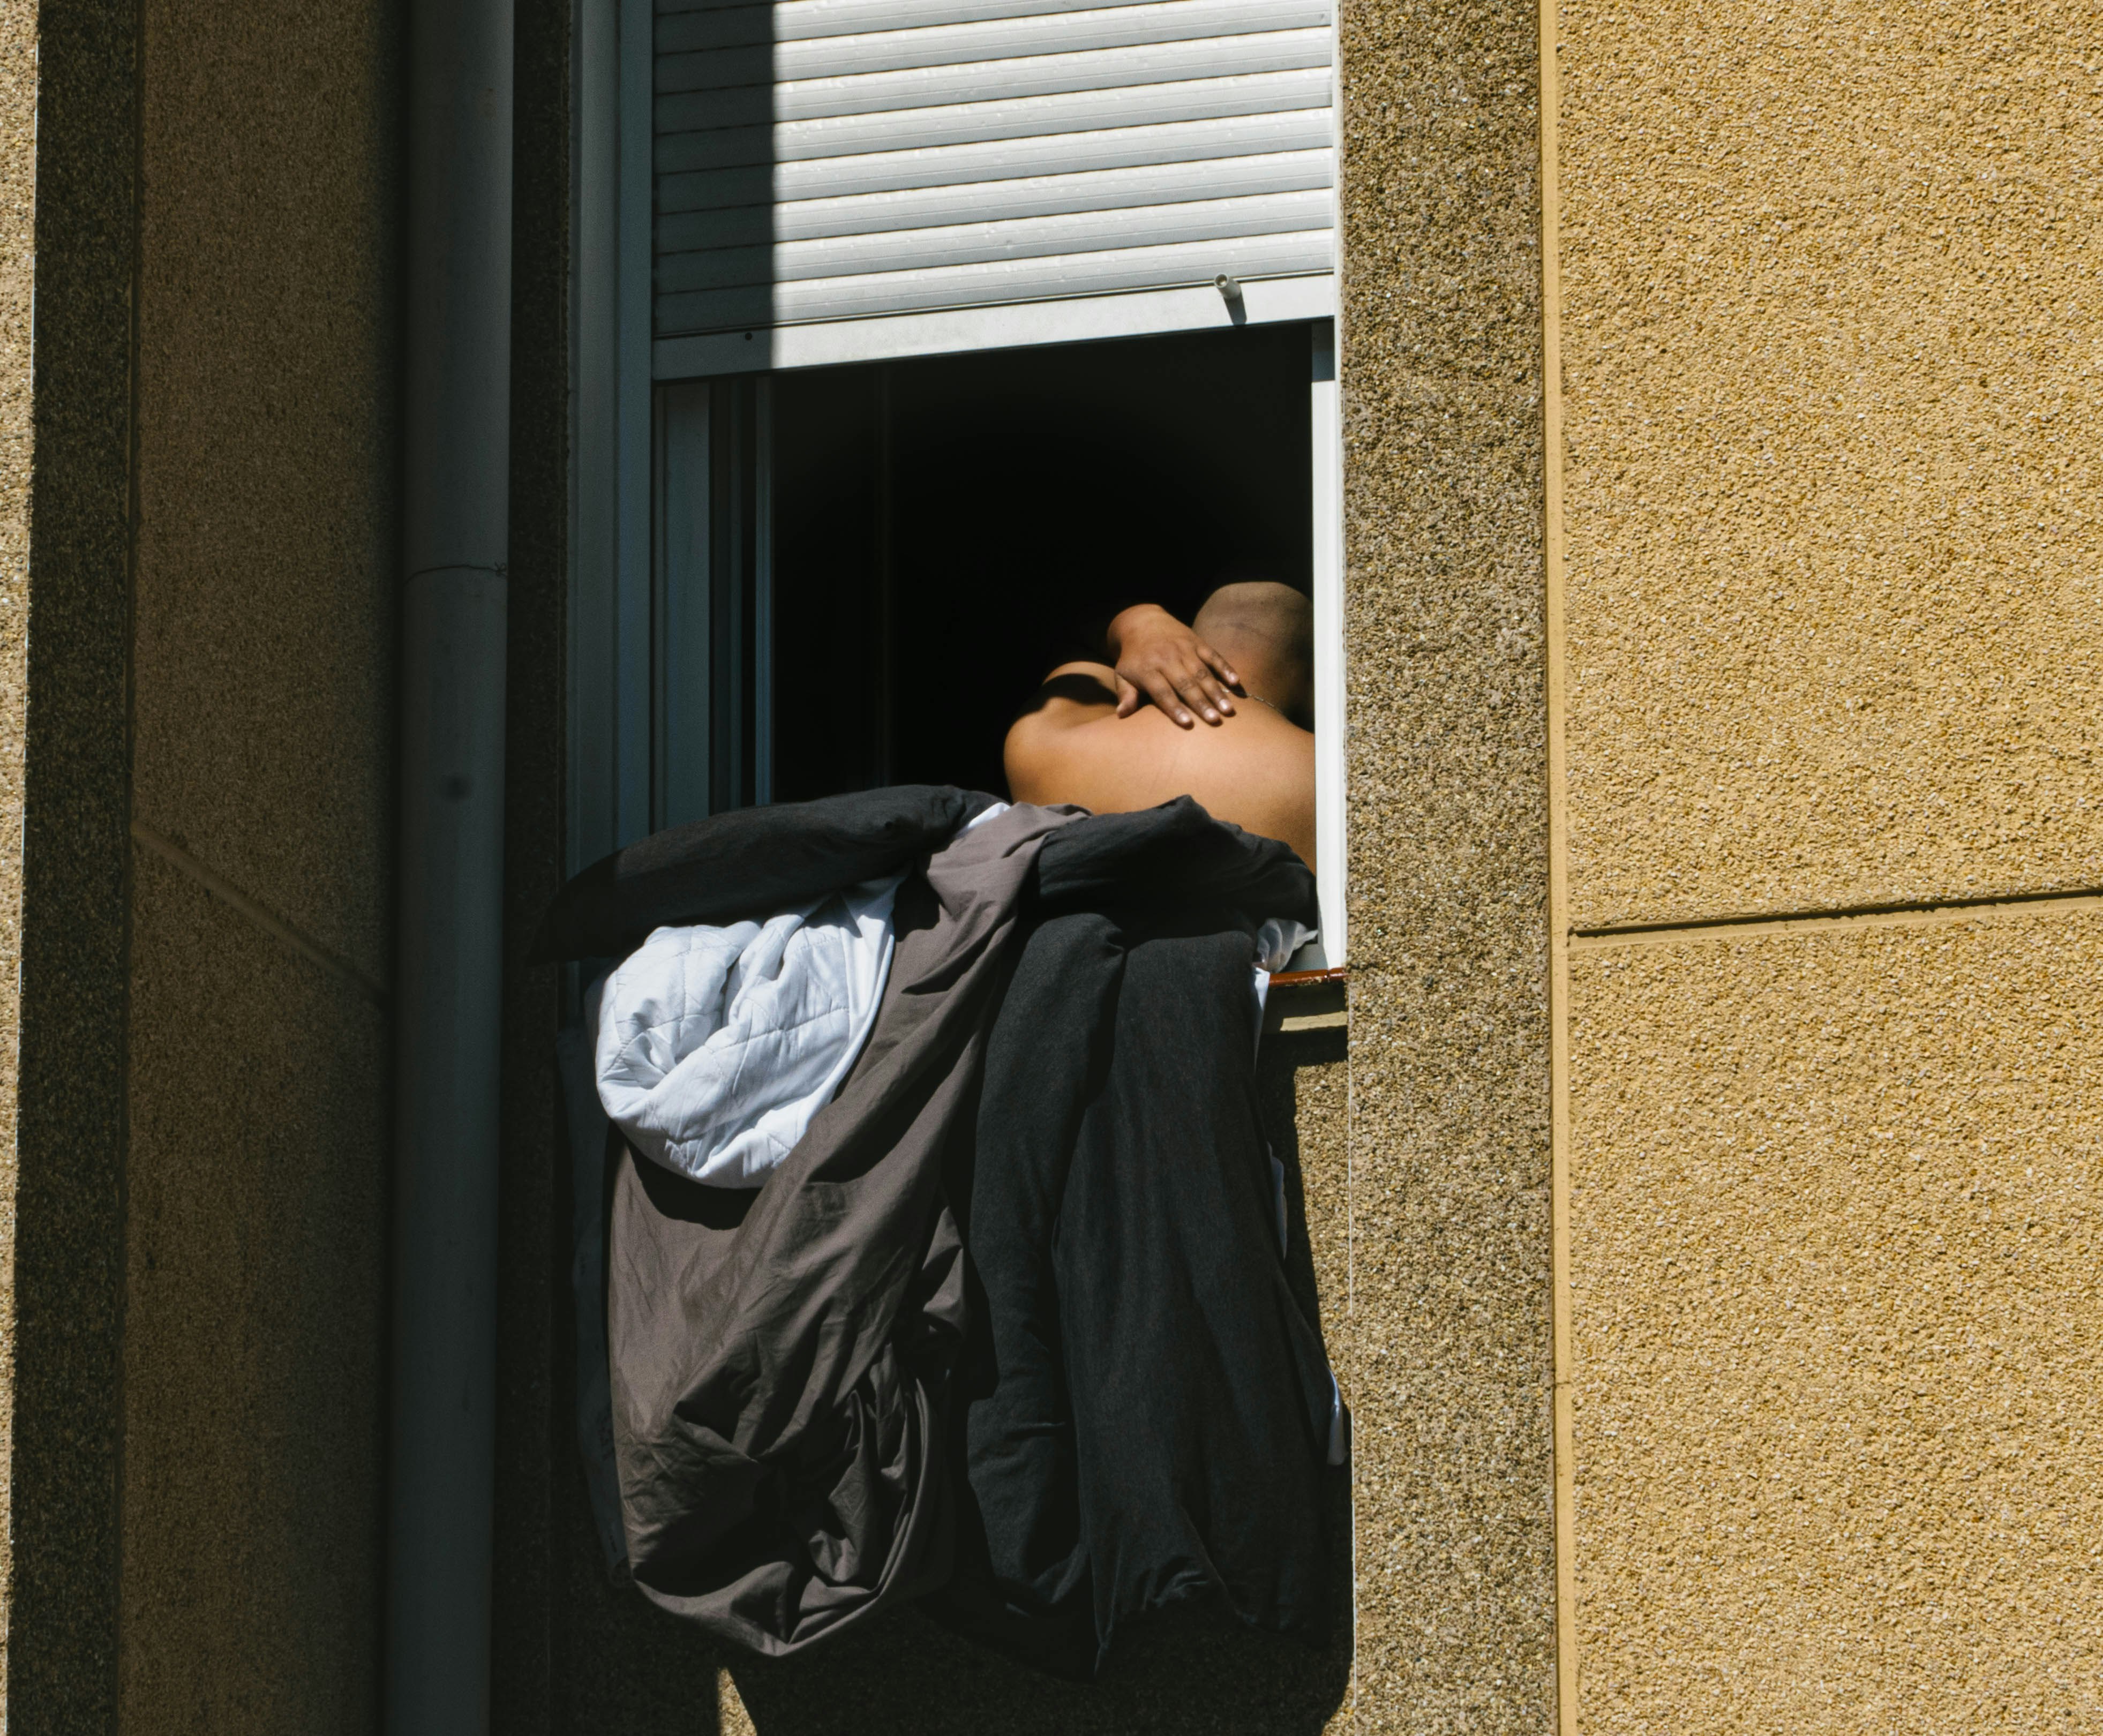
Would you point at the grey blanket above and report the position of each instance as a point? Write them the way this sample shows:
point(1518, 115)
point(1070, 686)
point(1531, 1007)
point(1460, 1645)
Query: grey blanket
point(778, 1358)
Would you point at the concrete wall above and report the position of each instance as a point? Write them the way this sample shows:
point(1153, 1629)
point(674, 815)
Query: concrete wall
point(1721, 603)
point(1829, 317)
point(206, 874)
point(265, 555)
point(196, 648)
point(1451, 1365)
point(1839, 1360)
point(70, 1098)
point(18, 208)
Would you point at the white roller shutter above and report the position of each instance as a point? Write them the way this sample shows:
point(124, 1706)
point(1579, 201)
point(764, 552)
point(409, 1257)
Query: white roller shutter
point(823, 161)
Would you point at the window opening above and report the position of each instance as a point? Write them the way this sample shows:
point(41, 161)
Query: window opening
point(769, 195)
point(864, 571)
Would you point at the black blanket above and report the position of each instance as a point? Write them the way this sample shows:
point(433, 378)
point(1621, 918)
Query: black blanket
point(751, 861)
point(1146, 1412)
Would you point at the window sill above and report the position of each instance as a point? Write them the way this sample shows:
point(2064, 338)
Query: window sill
point(1303, 1001)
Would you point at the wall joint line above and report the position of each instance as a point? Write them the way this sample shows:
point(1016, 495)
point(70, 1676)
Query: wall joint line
point(1911, 913)
point(272, 924)
point(1563, 1413)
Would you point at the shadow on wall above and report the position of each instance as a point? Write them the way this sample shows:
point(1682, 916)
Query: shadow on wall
point(635, 1669)
point(645, 1673)
point(906, 1674)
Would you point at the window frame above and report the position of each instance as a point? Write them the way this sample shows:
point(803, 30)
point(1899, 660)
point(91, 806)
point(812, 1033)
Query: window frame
point(635, 556)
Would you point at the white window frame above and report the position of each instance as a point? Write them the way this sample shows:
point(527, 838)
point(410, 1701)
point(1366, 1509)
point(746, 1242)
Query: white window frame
point(1326, 442)
point(636, 555)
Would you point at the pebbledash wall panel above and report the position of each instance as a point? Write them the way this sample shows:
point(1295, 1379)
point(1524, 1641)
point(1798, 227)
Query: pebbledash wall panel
point(830, 160)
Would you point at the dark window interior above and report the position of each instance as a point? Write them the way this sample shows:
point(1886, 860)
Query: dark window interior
point(946, 530)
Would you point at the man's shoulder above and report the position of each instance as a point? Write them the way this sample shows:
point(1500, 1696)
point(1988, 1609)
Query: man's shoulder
point(1074, 693)
point(1038, 751)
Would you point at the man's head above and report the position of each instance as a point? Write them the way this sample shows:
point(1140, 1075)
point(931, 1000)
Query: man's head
point(1267, 632)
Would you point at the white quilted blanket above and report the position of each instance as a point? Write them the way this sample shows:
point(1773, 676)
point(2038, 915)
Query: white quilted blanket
point(715, 1046)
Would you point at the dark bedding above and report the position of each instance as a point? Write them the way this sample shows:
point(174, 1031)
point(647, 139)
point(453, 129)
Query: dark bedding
point(1009, 1327)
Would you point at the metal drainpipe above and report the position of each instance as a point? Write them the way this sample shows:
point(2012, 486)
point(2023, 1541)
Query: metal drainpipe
point(449, 973)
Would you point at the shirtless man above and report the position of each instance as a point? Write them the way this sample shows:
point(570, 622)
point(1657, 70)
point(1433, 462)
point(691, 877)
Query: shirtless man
point(1113, 739)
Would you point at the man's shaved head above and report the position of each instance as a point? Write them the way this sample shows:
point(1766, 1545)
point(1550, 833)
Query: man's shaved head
point(1267, 632)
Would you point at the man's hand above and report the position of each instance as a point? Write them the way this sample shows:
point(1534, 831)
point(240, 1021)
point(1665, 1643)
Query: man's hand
point(1162, 662)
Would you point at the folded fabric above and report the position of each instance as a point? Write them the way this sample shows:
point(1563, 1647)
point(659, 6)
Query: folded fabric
point(778, 1358)
point(749, 864)
point(1277, 939)
point(817, 1411)
point(717, 1045)
point(1145, 1411)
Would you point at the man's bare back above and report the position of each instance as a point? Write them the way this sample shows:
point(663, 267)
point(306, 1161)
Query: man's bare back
point(1256, 769)
point(1252, 765)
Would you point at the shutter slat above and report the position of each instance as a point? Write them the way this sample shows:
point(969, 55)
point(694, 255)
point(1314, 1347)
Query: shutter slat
point(988, 201)
point(1005, 280)
point(974, 44)
point(976, 243)
point(1028, 117)
point(684, 27)
point(836, 159)
point(1039, 75)
point(1013, 159)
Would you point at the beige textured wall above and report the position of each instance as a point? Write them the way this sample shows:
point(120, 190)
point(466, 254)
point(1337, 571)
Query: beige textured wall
point(18, 169)
point(1830, 319)
point(1839, 1216)
point(1833, 288)
point(263, 651)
